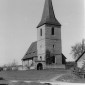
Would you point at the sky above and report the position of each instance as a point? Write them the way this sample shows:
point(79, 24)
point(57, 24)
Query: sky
point(19, 19)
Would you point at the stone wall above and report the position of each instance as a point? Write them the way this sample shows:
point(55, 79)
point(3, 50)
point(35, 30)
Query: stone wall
point(57, 32)
point(49, 42)
point(54, 46)
point(58, 59)
point(55, 66)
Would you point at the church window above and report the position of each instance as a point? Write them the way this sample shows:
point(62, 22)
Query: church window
point(40, 32)
point(52, 31)
point(40, 57)
point(53, 46)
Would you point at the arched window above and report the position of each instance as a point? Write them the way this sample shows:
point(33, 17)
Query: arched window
point(40, 32)
point(52, 31)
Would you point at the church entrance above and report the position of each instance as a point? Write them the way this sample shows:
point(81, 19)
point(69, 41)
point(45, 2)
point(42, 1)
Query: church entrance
point(53, 59)
point(39, 66)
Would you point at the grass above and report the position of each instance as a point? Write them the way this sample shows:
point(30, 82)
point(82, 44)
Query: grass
point(31, 75)
point(70, 78)
point(43, 75)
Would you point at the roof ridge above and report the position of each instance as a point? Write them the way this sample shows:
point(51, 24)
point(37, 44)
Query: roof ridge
point(80, 56)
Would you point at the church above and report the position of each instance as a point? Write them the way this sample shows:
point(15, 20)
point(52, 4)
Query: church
point(46, 52)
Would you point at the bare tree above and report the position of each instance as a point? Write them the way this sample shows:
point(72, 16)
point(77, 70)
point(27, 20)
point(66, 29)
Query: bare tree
point(78, 49)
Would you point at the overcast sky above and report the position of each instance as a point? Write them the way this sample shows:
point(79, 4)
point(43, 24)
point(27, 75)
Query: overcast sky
point(19, 19)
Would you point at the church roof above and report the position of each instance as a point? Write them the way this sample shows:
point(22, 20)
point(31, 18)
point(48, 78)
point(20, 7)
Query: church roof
point(48, 16)
point(31, 52)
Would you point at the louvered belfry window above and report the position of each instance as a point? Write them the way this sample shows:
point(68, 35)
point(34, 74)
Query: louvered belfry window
point(52, 31)
point(40, 32)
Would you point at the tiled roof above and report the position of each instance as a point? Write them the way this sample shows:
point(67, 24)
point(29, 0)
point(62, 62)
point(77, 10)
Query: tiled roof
point(31, 52)
point(48, 16)
point(80, 56)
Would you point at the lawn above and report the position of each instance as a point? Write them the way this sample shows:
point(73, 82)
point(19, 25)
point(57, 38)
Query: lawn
point(42, 75)
point(32, 75)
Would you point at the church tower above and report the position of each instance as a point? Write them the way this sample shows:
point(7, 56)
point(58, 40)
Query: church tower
point(49, 48)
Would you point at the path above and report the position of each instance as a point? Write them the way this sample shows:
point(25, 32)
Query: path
point(56, 77)
point(52, 83)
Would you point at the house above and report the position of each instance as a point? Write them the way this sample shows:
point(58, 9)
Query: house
point(46, 52)
point(17, 67)
point(20, 67)
point(81, 60)
point(6, 68)
point(14, 68)
point(81, 65)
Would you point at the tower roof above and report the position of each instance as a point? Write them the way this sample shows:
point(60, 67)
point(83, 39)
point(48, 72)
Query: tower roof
point(48, 16)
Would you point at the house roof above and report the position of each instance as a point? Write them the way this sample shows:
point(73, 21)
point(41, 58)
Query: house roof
point(48, 16)
point(80, 56)
point(31, 52)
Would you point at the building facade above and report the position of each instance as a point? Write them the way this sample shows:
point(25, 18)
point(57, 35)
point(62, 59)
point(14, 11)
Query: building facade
point(81, 61)
point(47, 51)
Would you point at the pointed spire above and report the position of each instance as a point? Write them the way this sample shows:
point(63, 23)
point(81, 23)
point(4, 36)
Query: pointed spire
point(48, 16)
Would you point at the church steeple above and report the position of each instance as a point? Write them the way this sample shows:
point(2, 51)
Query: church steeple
point(48, 16)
